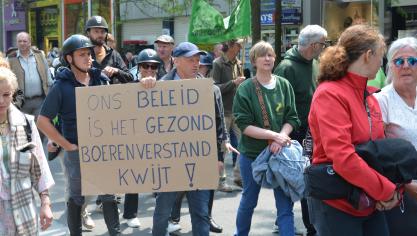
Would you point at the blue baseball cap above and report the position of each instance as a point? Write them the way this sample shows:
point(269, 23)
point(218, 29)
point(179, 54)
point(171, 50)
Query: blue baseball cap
point(187, 49)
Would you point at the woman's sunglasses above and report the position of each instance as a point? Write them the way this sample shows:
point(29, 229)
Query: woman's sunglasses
point(399, 62)
point(147, 66)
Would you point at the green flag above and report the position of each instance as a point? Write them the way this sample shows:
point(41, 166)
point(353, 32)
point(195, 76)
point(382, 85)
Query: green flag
point(207, 25)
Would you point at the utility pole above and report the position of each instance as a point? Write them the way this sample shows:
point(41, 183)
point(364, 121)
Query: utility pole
point(118, 24)
point(256, 21)
point(278, 30)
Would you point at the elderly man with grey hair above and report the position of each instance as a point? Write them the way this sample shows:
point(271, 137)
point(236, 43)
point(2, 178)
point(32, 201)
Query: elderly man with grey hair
point(300, 68)
point(32, 72)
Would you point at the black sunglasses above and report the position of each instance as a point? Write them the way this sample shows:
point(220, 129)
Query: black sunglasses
point(399, 62)
point(146, 66)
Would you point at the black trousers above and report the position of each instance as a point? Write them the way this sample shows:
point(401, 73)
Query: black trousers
point(131, 205)
point(329, 221)
point(299, 135)
point(403, 223)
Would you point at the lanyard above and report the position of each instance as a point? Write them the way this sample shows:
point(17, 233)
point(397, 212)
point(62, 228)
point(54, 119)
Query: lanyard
point(368, 112)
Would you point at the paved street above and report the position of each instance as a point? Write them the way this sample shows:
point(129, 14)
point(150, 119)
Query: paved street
point(224, 211)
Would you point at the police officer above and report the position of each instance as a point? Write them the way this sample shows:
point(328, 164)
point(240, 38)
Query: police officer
point(148, 60)
point(61, 101)
point(105, 58)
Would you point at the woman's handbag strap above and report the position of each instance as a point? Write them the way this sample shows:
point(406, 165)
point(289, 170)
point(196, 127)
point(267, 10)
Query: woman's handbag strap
point(262, 103)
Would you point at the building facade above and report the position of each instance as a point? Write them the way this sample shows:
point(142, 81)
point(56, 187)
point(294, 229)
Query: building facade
point(50, 22)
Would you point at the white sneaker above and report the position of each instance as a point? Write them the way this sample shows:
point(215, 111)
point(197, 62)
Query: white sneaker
point(275, 229)
point(87, 221)
point(133, 223)
point(172, 227)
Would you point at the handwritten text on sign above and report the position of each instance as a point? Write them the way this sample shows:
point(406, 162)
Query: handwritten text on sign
point(133, 139)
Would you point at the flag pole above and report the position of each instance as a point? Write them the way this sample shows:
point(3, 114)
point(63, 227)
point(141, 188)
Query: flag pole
point(243, 56)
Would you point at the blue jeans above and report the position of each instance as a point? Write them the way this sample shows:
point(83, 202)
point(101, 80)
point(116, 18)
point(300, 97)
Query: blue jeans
point(249, 201)
point(198, 205)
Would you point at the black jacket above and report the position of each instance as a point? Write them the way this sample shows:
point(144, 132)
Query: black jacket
point(394, 158)
point(113, 59)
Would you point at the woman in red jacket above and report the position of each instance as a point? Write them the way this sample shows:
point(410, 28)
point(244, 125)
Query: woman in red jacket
point(342, 116)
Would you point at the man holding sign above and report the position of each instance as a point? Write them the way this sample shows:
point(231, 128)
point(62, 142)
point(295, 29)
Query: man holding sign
point(186, 59)
point(61, 101)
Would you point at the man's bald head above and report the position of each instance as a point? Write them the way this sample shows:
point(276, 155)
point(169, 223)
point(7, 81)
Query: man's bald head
point(23, 42)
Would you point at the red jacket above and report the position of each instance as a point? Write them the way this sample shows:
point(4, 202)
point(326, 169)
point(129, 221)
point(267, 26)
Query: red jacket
point(338, 120)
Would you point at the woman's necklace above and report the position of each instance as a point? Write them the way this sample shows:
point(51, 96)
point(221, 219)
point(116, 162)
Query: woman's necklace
point(4, 127)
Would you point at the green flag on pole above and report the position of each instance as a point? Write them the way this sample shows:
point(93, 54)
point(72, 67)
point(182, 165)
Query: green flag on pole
point(207, 25)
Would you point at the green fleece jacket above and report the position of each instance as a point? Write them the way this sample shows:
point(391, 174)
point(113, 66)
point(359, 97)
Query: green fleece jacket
point(302, 75)
point(280, 106)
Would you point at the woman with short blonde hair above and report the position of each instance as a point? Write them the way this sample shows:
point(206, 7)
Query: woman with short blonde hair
point(23, 167)
point(278, 97)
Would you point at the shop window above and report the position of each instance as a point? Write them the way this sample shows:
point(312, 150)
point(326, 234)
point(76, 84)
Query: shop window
point(76, 14)
point(102, 8)
point(338, 15)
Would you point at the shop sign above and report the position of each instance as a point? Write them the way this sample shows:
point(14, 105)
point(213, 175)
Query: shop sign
point(14, 16)
point(291, 12)
point(267, 18)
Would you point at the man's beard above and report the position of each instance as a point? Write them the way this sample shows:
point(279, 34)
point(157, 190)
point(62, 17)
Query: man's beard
point(97, 42)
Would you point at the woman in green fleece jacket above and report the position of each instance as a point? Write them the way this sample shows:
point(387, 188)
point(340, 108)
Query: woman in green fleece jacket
point(279, 100)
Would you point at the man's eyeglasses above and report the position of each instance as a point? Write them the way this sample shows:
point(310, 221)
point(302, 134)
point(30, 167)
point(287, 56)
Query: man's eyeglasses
point(147, 66)
point(323, 45)
point(399, 62)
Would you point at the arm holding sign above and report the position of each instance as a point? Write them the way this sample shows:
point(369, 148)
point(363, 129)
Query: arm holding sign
point(44, 124)
point(148, 82)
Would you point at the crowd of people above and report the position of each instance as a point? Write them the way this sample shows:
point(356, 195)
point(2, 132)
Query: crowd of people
point(318, 89)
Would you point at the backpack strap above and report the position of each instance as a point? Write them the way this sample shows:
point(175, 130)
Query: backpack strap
point(28, 130)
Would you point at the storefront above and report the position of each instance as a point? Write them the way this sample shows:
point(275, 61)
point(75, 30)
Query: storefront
point(44, 23)
point(50, 22)
point(340, 14)
point(14, 22)
point(404, 18)
point(291, 19)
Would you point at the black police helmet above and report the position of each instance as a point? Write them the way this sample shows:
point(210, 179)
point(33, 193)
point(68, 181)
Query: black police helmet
point(96, 22)
point(148, 55)
point(75, 42)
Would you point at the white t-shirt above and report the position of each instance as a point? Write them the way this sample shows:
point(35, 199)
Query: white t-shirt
point(400, 119)
point(271, 85)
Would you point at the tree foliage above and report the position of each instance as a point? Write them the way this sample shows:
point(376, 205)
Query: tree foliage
point(170, 7)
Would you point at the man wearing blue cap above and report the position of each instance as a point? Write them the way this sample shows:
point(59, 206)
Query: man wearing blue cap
point(187, 61)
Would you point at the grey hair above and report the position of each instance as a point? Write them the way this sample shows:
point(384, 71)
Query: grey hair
point(396, 46)
point(311, 34)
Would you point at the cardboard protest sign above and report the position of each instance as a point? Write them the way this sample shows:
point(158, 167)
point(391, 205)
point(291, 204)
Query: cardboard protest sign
point(147, 140)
